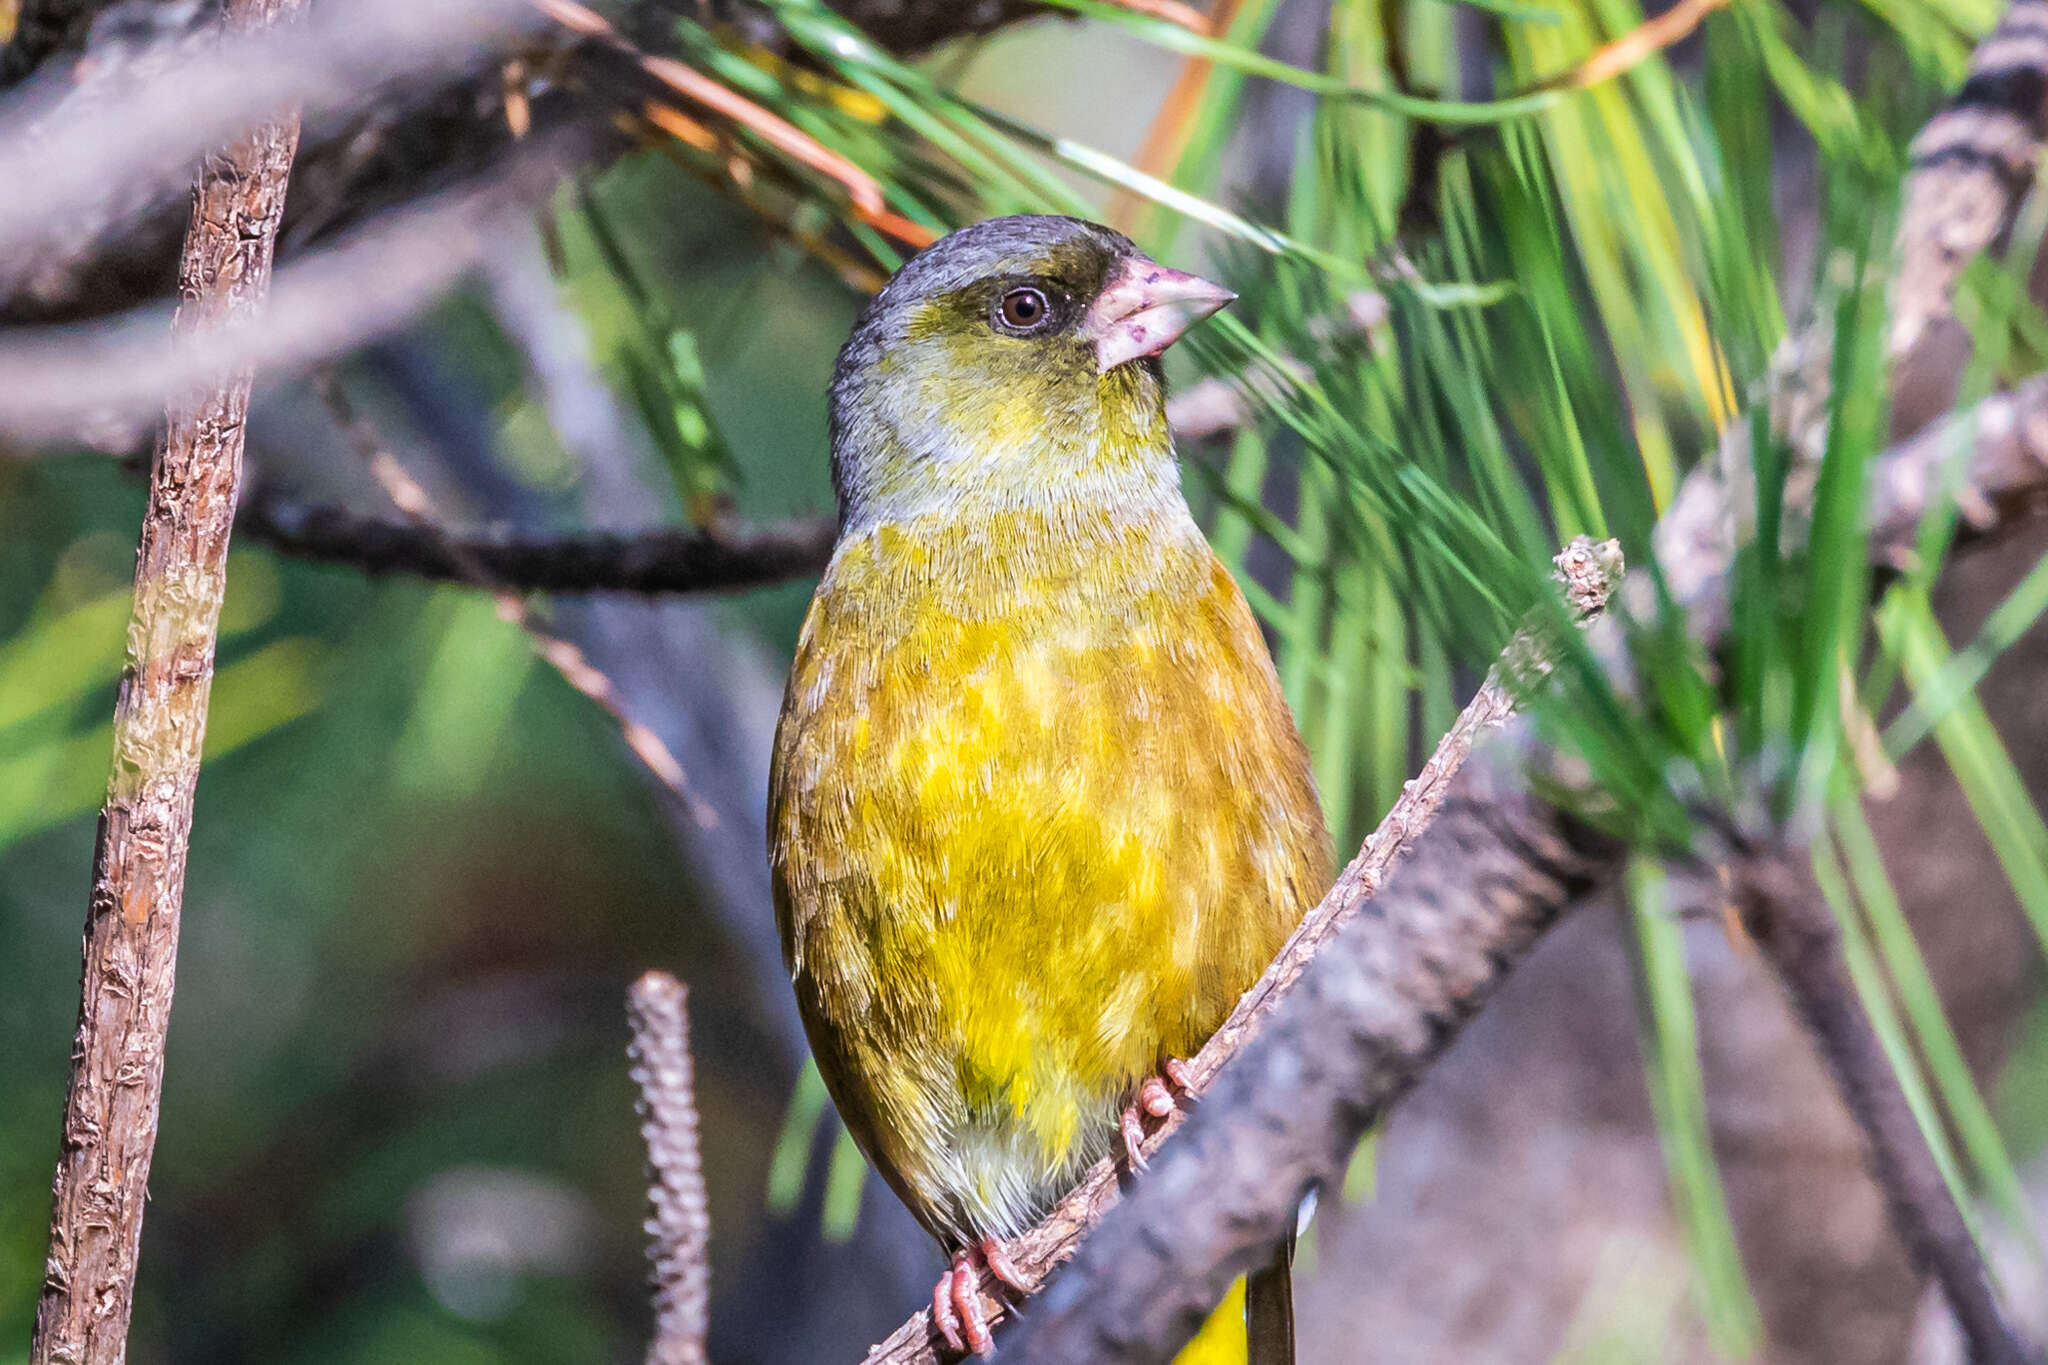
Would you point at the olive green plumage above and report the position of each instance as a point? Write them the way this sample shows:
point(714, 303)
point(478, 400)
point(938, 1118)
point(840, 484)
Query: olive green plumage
point(1038, 811)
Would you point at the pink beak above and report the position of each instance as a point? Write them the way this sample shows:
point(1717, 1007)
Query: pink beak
point(1144, 309)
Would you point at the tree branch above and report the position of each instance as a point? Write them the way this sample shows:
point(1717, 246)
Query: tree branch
point(131, 931)
point(1783, 912)
point(673, 560)
point(680, 1230)
point(1381, 1001)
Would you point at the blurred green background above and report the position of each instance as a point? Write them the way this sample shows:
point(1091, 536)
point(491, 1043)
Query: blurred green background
point(397, 1124)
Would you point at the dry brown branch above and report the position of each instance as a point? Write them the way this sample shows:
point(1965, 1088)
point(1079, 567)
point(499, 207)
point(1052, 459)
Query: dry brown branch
point(679, 1232)
point(1380, 1001)
point(672, 560)
point(1587, 573)
point(131, 930)
point(411, 499)
point(1783, 912)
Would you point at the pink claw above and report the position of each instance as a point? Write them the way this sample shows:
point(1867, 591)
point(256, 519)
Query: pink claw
point(943, 1316)
point(997, 1259)
point(1134, 1138)
point(956, 1298)
point(1155, 1099)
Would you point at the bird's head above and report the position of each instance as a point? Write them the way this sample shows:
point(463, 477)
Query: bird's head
point(1012, 363)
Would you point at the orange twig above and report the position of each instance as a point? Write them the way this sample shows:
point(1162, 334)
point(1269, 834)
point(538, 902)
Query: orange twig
point(1173, 12)
point(694, 85)
point(1166, 141)
point(680, 126)
point(1638, 43)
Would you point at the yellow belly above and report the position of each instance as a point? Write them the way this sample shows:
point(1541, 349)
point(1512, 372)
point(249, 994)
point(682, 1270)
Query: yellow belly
point(1037, 819)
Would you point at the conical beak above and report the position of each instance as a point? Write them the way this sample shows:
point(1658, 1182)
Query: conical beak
point(1144, 309)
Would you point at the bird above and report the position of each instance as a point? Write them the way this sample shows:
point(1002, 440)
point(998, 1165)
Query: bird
point(1039, 813)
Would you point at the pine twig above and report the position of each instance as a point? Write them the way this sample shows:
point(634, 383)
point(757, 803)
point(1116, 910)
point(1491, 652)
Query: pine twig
point(1587, 573)
point(131, 930)
point(679, 1229)
point(1783, 913)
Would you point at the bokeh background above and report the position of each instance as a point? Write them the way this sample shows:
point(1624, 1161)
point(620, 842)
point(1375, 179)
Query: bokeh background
point(397, 1123)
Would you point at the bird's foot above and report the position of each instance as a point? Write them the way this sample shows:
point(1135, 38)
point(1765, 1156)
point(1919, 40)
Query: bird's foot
point(956, 1299)
point(1155, 1100)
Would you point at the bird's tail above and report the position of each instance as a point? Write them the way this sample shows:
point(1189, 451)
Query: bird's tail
point(1269, 1308)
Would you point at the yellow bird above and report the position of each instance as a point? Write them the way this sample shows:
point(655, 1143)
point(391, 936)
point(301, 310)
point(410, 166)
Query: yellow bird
point(1038, 812)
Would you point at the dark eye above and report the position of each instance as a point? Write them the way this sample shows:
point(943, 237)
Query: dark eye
point(1023, 309)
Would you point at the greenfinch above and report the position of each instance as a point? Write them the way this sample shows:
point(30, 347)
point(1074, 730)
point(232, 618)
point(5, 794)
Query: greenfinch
point(1038, 811)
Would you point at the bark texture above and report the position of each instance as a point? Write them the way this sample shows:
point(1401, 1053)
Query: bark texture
point(131, 931)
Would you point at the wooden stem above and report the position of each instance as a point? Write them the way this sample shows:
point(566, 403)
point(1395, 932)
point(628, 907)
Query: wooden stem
point(131, 929)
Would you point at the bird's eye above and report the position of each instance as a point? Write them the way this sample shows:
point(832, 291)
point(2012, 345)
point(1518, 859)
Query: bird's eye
point(1023, 309)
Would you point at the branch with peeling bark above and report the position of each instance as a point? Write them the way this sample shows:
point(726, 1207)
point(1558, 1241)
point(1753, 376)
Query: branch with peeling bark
point(131, 930)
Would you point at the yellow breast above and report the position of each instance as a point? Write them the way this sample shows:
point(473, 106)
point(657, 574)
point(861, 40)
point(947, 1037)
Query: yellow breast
point(1038, 816)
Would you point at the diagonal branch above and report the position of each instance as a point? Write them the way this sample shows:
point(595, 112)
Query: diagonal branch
point(1782, 910)
point(562, 655)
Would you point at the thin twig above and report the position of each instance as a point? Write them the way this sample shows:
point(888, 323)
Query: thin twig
point(563, 656)
point(671, 560)
point(1383, 998)
point(131, 929)
point(1639, 43)
point(1783, 913)
point(1587, 573)
point(699, 88)
point(679, 1232)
